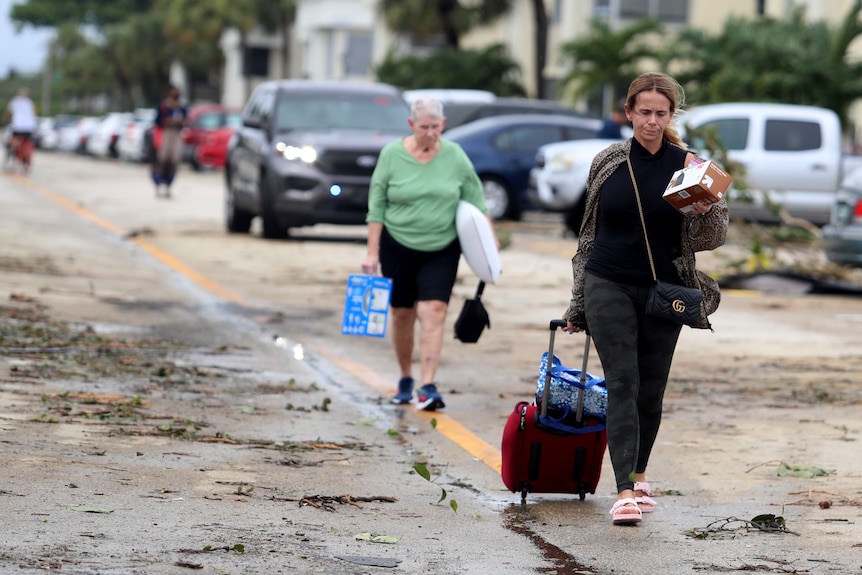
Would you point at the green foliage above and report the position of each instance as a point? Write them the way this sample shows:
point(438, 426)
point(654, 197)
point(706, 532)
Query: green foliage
point(786, 60)
point(425, 21)
point(490, 69)
point(54, 13)
point(802, 470)
point(422, 470)
point(606, 57)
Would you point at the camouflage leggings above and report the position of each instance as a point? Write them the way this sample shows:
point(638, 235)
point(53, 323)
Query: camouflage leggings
point(636, 353)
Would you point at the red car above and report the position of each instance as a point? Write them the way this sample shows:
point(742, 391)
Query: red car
point(211, 150)
point(206, 135)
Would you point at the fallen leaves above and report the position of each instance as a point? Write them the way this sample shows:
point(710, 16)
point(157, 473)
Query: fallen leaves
point(806, 471)
point(375, 538)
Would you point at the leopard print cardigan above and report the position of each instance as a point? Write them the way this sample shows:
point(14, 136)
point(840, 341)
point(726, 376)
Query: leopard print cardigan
point(700, 232)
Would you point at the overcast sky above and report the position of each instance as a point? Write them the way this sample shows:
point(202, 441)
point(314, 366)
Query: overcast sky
point(25, 51)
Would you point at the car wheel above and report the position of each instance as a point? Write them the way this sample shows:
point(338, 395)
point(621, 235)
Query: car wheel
point(271, 228)
point(237, 220)
point(496, 197)
point(575, 215)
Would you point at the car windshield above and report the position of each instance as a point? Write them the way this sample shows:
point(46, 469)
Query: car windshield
point(233, 119)
point(210, 121)
point(340, 110)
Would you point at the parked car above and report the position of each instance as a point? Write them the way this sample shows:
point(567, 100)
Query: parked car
point(503, 150)
point(132, 144)
point(211, 149)
point(305, 152)
point(842, 236)
point(791, 153)
point(73, 137)
point(463, 112)
point(202, 119)
point(448, 96)
point(102, 142)
point(45, 137)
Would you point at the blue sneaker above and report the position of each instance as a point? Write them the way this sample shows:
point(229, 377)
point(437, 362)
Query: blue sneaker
point(428, 398)
point(405, 391)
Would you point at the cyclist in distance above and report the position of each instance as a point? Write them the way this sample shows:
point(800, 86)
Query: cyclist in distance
point(22, 113)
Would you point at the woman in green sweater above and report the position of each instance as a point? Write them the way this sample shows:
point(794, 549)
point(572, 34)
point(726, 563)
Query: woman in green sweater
point(412, 201)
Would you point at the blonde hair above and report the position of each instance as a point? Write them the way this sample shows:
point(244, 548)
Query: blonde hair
point(426, 107)
point(667, 87)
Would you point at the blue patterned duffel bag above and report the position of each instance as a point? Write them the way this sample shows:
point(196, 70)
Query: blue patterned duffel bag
point(566, 386)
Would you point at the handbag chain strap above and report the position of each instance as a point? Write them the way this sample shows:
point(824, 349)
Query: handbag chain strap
point(643, 221)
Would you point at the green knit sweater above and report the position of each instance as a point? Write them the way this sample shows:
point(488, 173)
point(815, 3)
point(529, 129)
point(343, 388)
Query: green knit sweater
point(417, 202)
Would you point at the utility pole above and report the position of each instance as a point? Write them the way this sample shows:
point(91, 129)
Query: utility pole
point(46, 85)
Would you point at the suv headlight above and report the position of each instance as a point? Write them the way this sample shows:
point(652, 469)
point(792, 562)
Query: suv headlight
point(562, 162)
point(305, 154)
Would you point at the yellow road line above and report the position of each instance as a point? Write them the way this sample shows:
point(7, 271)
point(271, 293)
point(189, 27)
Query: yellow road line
point(164, 257)
point(447, 426)
point(70, 205)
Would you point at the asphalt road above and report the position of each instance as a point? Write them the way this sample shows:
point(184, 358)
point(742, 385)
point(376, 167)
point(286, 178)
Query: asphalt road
point(257, 324)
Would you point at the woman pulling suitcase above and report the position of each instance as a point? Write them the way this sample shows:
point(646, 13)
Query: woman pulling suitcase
point(612, 272)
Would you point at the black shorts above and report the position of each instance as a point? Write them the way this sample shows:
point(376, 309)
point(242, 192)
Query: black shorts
point(417, 275)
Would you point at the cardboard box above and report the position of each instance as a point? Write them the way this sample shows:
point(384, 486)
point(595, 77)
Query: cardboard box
point(699, 182)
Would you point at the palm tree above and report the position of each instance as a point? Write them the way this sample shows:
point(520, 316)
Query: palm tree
point(194, 22)
point(423, 20)
point(786, 60)
point(605, 61)
point(540, 46)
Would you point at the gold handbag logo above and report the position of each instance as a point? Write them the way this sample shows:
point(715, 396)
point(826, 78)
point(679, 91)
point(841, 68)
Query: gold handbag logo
point(678, 306)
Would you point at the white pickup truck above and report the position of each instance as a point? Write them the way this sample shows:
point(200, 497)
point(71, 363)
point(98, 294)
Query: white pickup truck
point(794, 153)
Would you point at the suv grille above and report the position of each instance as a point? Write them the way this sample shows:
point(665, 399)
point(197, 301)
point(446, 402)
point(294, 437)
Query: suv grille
point(345, 163)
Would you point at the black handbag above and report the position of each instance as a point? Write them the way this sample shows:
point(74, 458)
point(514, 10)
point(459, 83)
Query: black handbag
point(675, 302)
point(667, 300)
point(473, 318)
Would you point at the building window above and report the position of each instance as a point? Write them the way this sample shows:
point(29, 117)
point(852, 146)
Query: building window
point(357, 57)
point(634, 9)
point(256, 62)
point(603, 9)
point(557, 15)
point(668, 11)
point(673, 11)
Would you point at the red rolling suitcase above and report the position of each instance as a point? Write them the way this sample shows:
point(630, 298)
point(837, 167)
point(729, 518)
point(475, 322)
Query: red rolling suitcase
point(544, 455)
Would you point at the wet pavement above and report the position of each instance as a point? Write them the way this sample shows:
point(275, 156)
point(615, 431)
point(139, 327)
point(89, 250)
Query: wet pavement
point(159, 421)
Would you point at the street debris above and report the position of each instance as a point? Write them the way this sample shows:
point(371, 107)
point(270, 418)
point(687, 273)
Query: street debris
point(780, 566)
point(369, 561)
point(766, 522)
point(327, 502)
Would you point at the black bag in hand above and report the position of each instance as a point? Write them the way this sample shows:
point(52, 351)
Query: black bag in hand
point(675, 303)
point(473, 318)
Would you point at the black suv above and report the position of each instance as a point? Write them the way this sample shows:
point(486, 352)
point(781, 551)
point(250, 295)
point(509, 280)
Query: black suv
point(305, 153)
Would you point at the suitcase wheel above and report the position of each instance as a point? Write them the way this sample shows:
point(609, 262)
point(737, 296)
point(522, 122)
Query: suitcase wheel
point(582, 491)
point(525, 488)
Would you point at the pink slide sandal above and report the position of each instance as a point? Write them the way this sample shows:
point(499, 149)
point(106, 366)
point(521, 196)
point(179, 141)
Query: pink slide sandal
point(645, 502)
point(626, 512)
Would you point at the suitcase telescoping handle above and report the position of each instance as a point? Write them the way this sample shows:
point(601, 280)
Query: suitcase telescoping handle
point(546, 392)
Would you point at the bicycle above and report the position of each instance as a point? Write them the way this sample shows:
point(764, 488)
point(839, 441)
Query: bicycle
point(19, 153)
